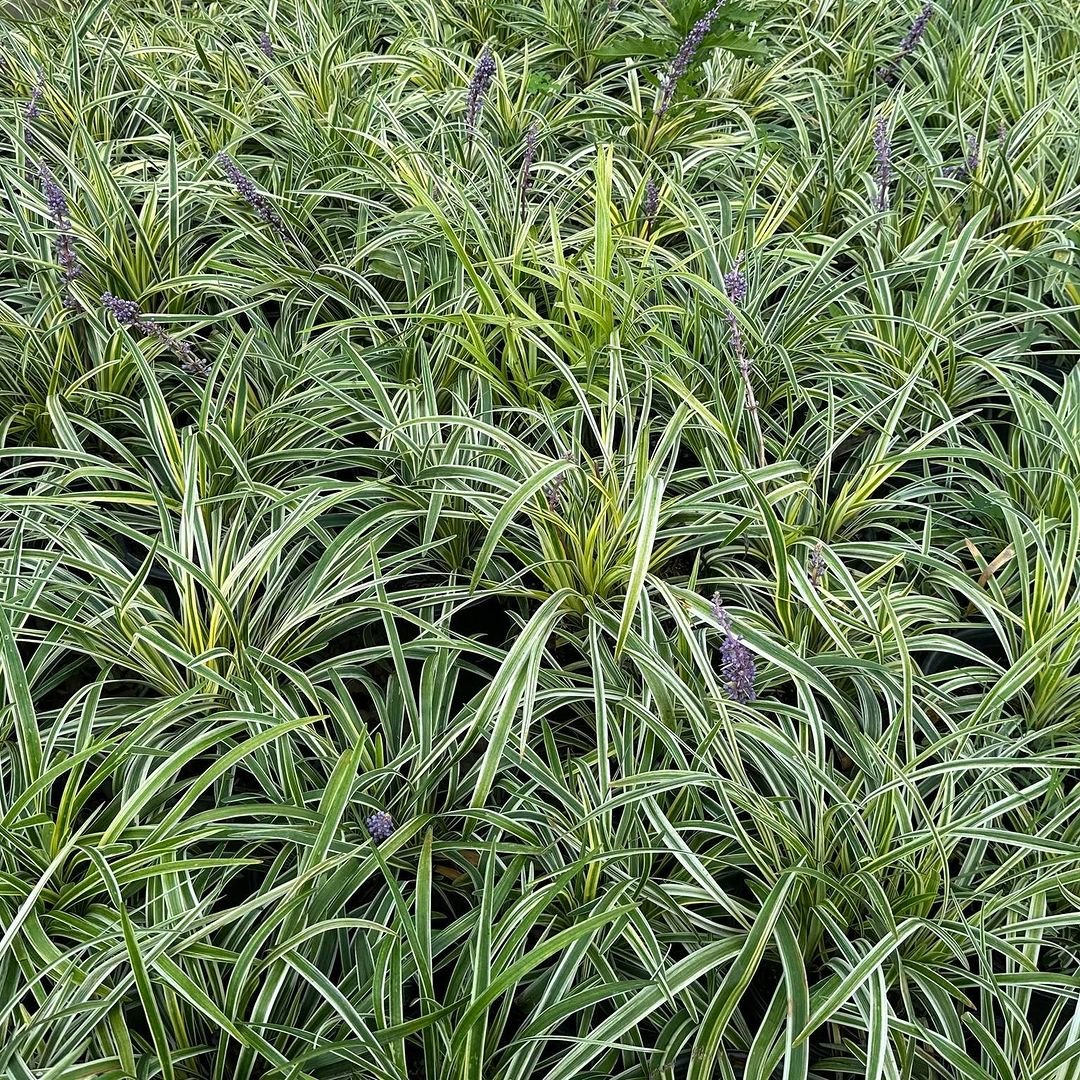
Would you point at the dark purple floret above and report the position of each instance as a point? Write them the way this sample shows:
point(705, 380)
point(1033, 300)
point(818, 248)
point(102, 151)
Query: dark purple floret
point(478, 88)
point(888, 72)
point(380, 825)
point(247, 190)
point(55, 198)
point(266, 45)
point(553, 492)
point(33, 110)
point(669, 81)
point(190, 361)
point(651, 202)
point(532, 142)
point(736, 286)
point(65, 254)
point(883, 160)
point(735, 281)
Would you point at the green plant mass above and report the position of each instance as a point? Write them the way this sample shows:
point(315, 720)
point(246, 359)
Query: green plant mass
point(540, 540)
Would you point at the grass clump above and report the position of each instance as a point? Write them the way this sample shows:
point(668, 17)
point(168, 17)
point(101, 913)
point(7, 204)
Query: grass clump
point(539, 540)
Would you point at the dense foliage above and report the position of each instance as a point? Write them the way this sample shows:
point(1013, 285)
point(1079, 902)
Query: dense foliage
point(539, 540)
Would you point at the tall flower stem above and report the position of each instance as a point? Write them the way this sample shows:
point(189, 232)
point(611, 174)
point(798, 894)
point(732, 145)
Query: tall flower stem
point(736, 288)
point(752, 409)
point(669, 80)
point(478, 89)
point(246, 189)
point(128, 315)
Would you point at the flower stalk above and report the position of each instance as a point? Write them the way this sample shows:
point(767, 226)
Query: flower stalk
point(890, 72)
point(736, 287)
point(64, 250)
point(478, 88)
point(246, 189)
point(129, 316)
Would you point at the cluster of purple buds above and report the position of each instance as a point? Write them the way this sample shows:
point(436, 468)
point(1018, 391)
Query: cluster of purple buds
point(650, 204)
point(669, 81)
point(64, 243)
point(128, 315)
point(380, 825)
point(736, 660)
point(478, 88)
point(735, 281)
point(32, 112)
point(266, 45)
point(816, 566)
point(971, 161)
point(888, 72)
point(247, 190)
point(918, 28)
point(883, 159)
point(532, 143)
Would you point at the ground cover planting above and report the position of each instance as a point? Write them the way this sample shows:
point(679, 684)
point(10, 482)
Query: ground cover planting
point(539, 540)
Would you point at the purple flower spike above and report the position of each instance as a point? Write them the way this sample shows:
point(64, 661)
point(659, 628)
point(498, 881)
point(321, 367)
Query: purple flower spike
point(889, 72)
point(971, 161)
point(669, 81)
point(651, 203)
point(32, 112)
point(55, 198)
point(736, 660)
point(266, 45)
point(64, 244)
point(553, 492)
point(735, 281)
point(736, 287)
point(738, 668)
point(720, 614)
point(883, 159)
point(380, 825)
point(125, 312)
point(918, 28)
point(478, 88)
point(816, 566)
point(247, 190)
